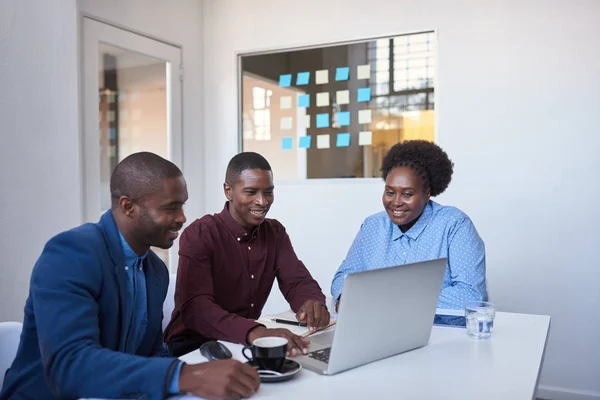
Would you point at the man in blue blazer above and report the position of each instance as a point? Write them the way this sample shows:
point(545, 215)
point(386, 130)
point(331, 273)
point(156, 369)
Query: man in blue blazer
point(92, 324)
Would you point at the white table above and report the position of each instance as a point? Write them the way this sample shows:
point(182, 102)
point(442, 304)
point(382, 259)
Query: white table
point(452, 366)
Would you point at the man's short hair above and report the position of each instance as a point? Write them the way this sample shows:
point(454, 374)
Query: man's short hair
point(139, 175)
point(243, 161)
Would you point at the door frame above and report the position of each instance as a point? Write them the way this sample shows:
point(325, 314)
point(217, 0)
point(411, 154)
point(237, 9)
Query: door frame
point(92, 32)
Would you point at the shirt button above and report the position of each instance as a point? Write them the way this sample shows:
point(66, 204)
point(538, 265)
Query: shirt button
point(239, 239)
point(126, 268)
point(252, 305)
point(249, 248)
point(251, 276)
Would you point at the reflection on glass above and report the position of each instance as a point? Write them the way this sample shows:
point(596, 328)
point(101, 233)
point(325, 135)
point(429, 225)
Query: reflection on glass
point(401, 101)
point(133, 111)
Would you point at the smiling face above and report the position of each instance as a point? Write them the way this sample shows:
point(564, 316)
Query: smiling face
point(160, 215)
point(404, 197)
point(250, 197)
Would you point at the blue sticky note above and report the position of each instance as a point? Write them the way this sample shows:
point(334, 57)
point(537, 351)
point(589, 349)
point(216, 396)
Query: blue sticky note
point(285, 80)
point(304, 100)
point(304, 142)
point(303, 78)
point(287, 143)
point(112, 133)
point(342, 74)
point(343, 118)
point(364, 94)
point(323, 120)
point(343, 140)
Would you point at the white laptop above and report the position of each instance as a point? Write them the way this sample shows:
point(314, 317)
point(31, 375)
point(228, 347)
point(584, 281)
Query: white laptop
point(383, 312)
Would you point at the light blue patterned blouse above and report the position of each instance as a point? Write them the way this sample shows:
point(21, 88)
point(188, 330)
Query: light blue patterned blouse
point(440, 231)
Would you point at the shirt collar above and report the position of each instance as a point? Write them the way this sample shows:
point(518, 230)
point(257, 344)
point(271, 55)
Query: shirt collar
point(130, 257)
point(241, 233)
point(416, 230)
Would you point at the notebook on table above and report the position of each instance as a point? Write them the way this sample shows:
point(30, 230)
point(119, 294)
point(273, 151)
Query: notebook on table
point(267, 321)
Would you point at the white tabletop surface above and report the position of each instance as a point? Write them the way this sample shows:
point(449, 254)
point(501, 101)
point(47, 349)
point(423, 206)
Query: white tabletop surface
point(452, 366)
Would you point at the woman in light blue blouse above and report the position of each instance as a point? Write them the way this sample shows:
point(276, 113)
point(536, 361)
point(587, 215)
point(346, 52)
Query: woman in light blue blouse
point(414, 228)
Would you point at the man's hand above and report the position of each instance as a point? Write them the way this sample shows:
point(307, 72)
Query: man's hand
point(314, 314)
point(295, 343)
point(219, 380)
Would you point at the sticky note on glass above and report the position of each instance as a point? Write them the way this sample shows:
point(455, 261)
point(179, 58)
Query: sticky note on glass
point(285, 80)
point(364, 117)
point(343, 118)
point(322, 76)
point(363, 94)
point(363, 72)
point(323, 120)
point(123, 115)
point(304, 100)
point(343, 97)
point(305, 121)
point(365, 138)
point(304, 142)
point(137, 114)
point(287, 143)
point(322, 141)
point(285, 123)
point(342, 74)
point(322, 99)
point(343, 140)
point(303, 78)
point(286, 102)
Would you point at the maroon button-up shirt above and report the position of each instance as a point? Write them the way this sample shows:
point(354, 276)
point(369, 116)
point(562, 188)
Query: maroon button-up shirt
point(225, 276)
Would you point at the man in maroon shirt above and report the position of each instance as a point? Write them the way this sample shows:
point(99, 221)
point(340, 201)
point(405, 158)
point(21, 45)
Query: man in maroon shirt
point(228, 263)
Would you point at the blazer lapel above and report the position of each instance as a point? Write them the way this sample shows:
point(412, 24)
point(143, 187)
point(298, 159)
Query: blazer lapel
point(111, 236)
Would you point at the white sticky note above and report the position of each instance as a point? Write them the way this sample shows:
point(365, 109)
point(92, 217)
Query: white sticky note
point(322, 99)
point(136, 114)
point(123, 115)
point(305, 121)
point(136, 132)
point(322, 141)
point(363, 71)
point(343, 97)
point(322, 76)
point(111, 116)
point(365, 138)
point(364, 117)
point(285, 123)
point(285, 102)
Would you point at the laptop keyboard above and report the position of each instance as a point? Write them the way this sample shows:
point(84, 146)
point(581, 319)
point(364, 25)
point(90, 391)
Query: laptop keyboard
point(321, 355)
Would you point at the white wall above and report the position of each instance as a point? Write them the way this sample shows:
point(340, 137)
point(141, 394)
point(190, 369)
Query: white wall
point(517, 111)
point(40, 176)
point(178, 23)
point(40, 187)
